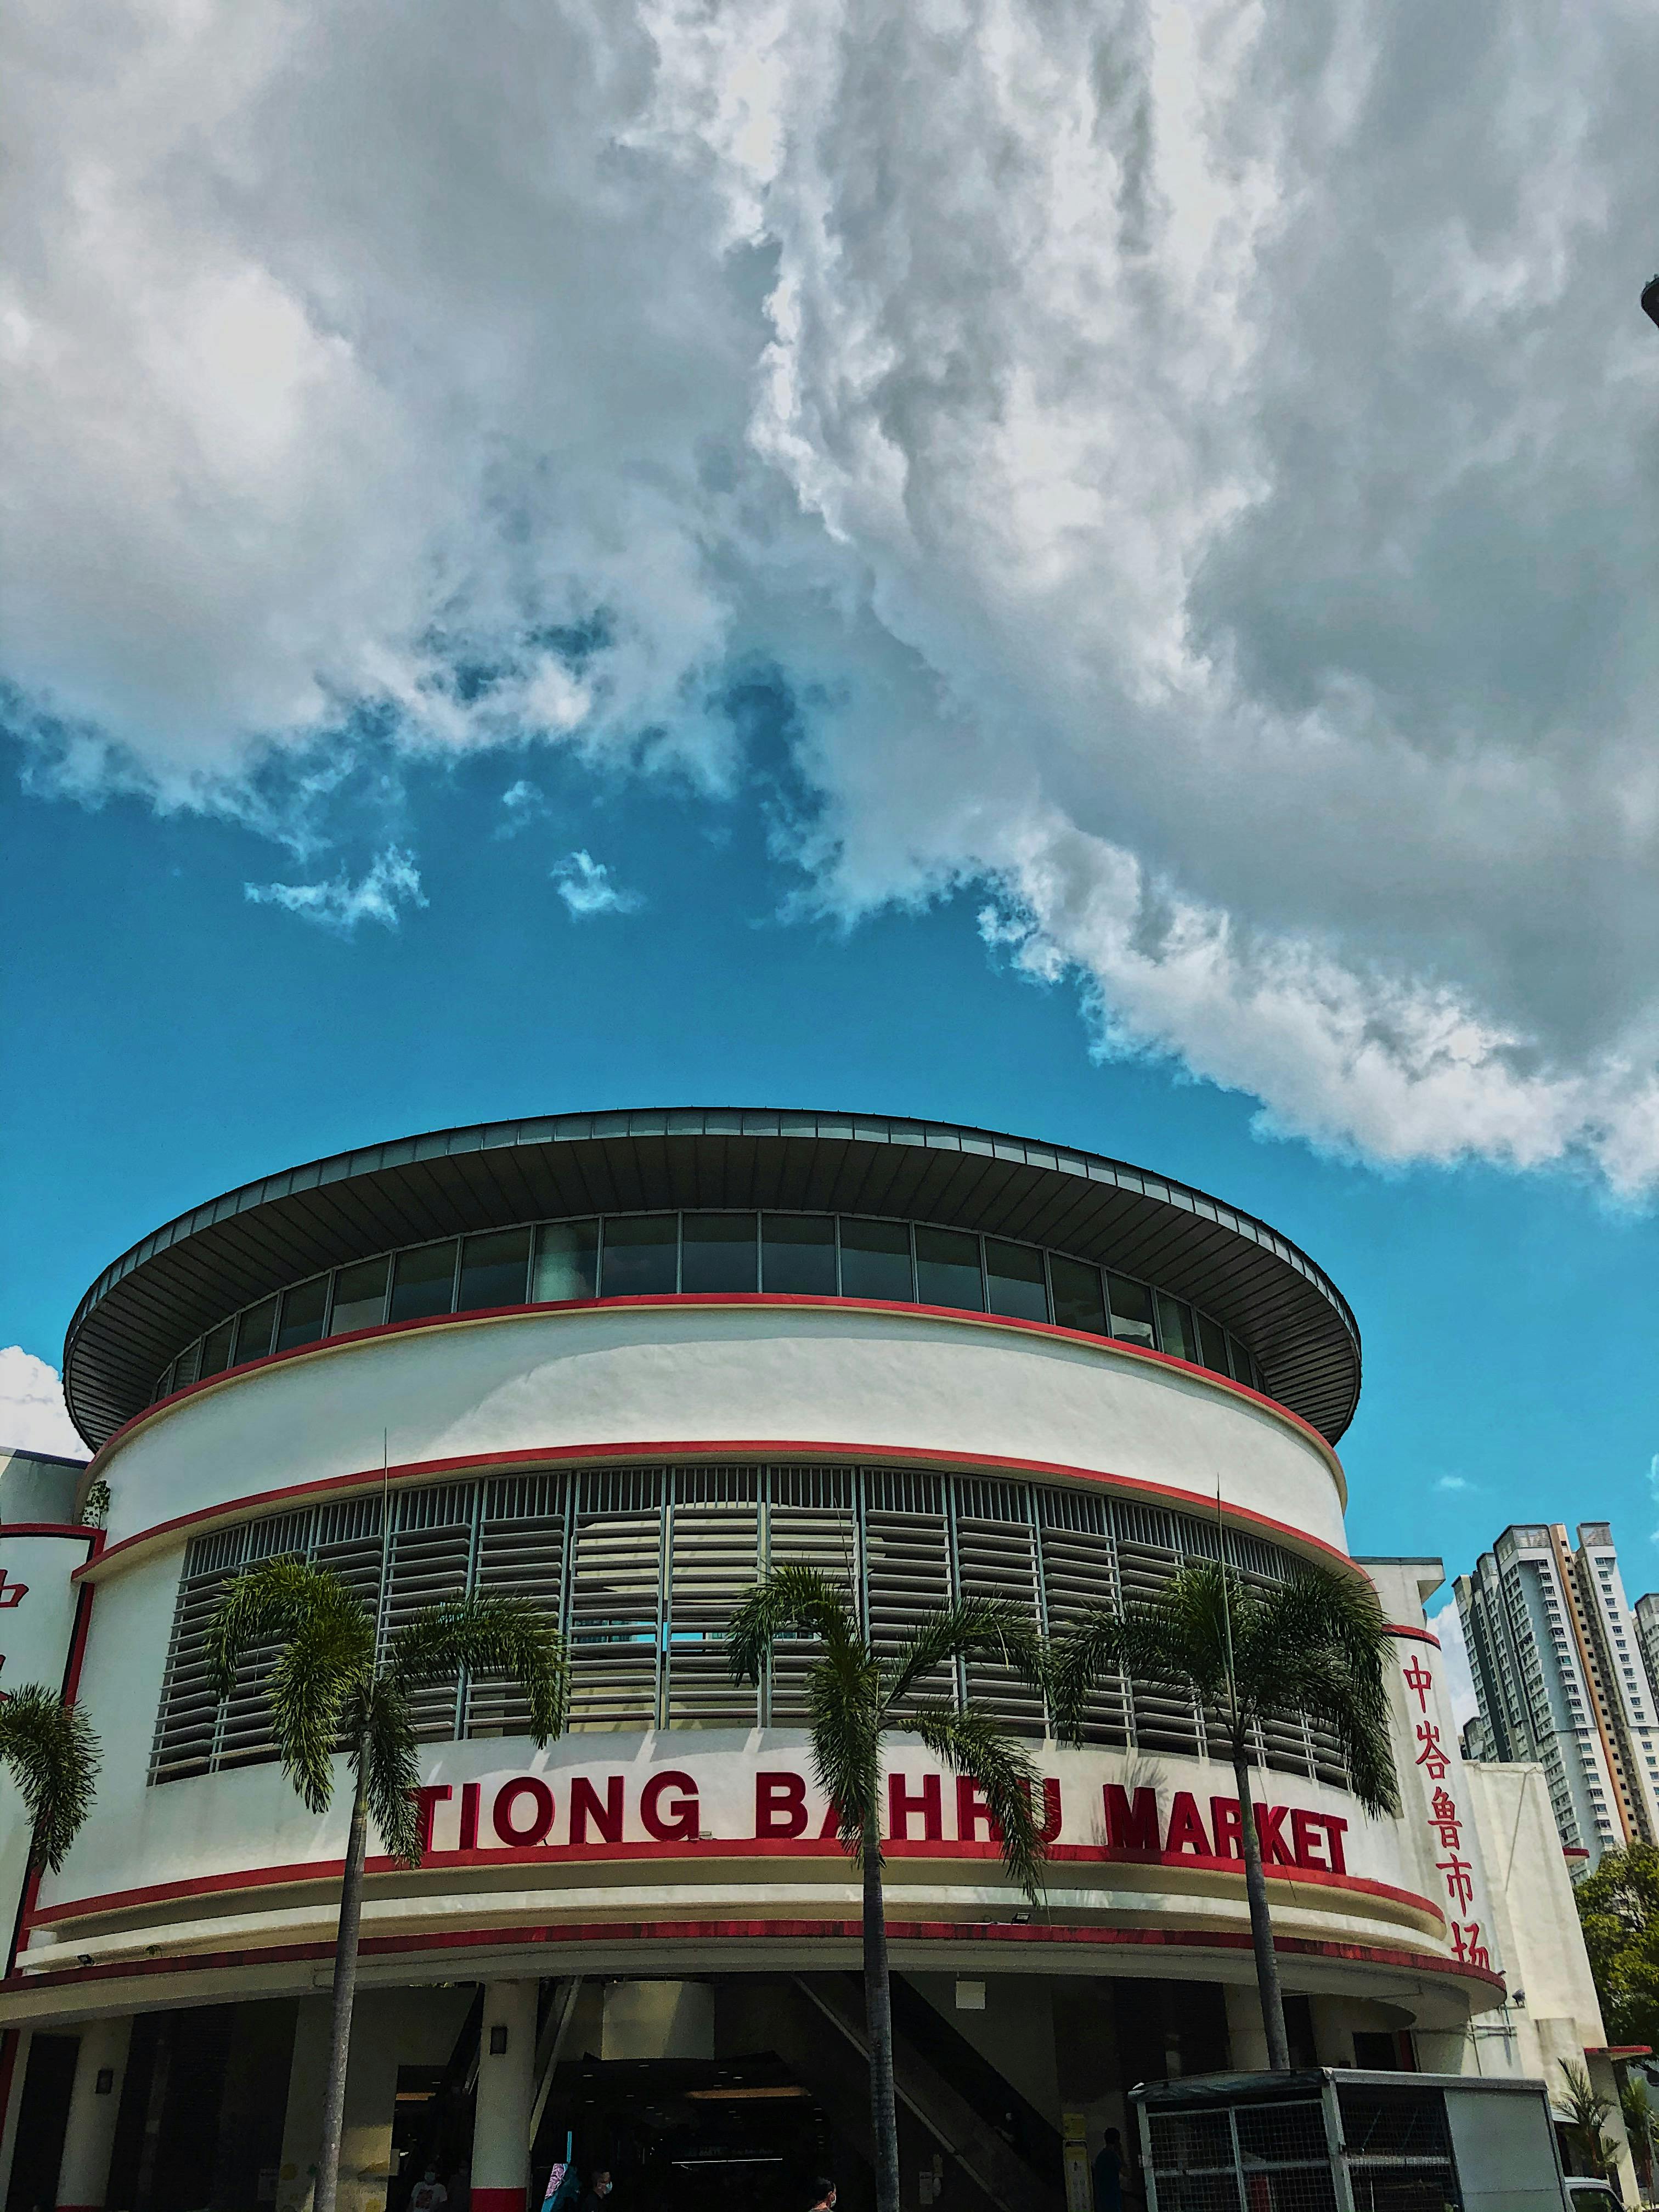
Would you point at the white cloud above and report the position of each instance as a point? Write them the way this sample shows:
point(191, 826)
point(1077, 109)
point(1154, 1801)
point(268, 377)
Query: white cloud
point(522, 803)
point(33, 1415)
point(1453, 1482)
point(392, 883)
point(1195, 465)
point(585, 885)
point(1454, 1659)
point(1653, 1486)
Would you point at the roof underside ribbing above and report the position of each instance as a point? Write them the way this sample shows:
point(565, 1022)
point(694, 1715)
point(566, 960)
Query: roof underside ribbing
point(186, 1277)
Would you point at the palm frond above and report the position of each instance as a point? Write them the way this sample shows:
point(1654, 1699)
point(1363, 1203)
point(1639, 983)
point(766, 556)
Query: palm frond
point(325, 1658)
point(267, 1604)
point(1317, 1645)
point(1177, 1639)
point(790, 1600)
point(391, 1769)
point(972, 1740)
point(493, 1636)
point(843, 1707)
point(53, 1757)
point(990, 1628)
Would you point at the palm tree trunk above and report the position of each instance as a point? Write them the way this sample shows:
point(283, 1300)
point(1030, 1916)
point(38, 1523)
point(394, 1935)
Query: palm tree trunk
point(345, 1989)
point(1261, 1924)
point(878, 2025)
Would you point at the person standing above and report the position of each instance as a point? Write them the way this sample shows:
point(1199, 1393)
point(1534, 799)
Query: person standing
point(823, 2195)
point(596, 2191)
point(428, 2194)
point(1108, 2173)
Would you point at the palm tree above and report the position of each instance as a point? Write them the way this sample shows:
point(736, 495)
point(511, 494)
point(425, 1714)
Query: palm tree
point(855, 1699)
point(1313, 1645)
point(328, 1692)
point(1641, 2127)
point(52, 1754)
point(1586, 2110)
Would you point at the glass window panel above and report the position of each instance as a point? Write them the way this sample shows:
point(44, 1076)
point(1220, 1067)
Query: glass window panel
point(1174, 1327)
point(1077, 1300)
point(254, 1331)
point(875, 1261)
point(947, 1269)
point(1241, 1360)
point(359, 1296)
point(303, 1308)
point(566, 1261)
point(424, 1282)
point(798, 1254)
point(1132, 1310)
point(1212, 1345)
point(718, 1252)
point(642, 1254)
point(494, 1270)
point(1014, 1280)
point(216, 1349)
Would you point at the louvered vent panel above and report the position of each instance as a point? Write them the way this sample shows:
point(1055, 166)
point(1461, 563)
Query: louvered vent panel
point(996, 1558)
point(430, 1561)
point(244, 1737)
point(520, 1554)
point(812, 1521)
point(187, 1726)
point(907, 1564)
point(1080, 1571)
point(614, 1622)
point(716, 1552)
point(1165, 1719)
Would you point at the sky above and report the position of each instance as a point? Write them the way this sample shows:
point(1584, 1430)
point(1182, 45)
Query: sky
point(1088, 570)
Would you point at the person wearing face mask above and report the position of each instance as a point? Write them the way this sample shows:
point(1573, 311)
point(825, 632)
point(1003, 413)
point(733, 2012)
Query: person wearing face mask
point(428, 2194)
point(596, 2191)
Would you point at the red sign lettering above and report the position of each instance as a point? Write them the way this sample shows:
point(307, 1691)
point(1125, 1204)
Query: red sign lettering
point(426, 1799)
point(900, 1803)
point(584, 1805)
point(1418, 1680)
point(1270, 1832)
point(1305, 1830)
point(780, 1804)
point(1131, 1828)
point(540, 1797)
point(1187, 1831)
point(1334, 1831)
point(1229, 1825)
point(469, 1794)
point(679, 1822)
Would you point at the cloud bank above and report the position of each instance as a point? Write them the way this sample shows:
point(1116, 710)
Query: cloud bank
point(1195, 467)
point(390, 883)
point(33, 1415)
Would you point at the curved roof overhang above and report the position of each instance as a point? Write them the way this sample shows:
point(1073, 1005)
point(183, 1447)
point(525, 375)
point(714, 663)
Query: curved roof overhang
point(185, 1277)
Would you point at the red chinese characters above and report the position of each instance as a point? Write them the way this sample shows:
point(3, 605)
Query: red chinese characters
point(1445, 1819)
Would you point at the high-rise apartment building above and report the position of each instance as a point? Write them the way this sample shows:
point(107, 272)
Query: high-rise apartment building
point(1563, 1675)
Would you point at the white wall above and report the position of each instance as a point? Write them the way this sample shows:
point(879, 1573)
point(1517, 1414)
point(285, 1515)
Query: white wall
point(656, 1377)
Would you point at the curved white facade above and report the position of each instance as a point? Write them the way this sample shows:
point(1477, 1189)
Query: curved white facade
point(684, 1852)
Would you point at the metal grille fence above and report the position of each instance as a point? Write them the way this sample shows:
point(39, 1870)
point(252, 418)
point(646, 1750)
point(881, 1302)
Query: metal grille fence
point(642, 1566)
point(1393, 2153)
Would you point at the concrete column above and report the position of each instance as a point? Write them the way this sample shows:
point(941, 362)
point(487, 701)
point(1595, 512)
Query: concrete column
point(12, 2083)
point(506, 2084)
point(1245, 2033)
point(90, 2138)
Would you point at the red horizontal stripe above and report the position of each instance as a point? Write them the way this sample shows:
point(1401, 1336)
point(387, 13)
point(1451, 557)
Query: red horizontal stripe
point(737, 1847)
point(744, 1298)
point(496, 2200)
point(49, 1528)
point(759, 1931)
point(1422, 1635)
point(411, 1472)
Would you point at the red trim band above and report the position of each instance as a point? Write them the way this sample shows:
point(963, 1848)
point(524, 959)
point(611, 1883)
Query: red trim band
point(49, 1528)
point(753, 1931)
point(676, 1299)
point(684, 1447)
point(739, 1847)
point(1422, 1635)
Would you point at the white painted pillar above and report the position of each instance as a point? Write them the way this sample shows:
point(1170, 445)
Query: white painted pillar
point(20, 2039)
point(90, 2138)
point(1245, 2031)
point(506, 2083)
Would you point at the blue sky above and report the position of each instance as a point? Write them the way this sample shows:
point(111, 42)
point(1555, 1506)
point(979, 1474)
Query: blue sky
point(1132, 528)
point(198, 1039)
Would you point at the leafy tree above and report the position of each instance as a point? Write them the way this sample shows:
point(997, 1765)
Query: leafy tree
point(1586, 2110)
point(328, 1692)
point(1619, 1911)
point(855, 1700)
point(1641, 2119)
point(1314, 1644)
point(52, 1755)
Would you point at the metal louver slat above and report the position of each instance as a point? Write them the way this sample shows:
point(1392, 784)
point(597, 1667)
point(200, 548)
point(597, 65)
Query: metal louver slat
point(1080, 1571)
point(615, 1600)
point(430, 1559)
point(906, 1565)
point(715, 1542)
point(520, 1554)
point(996, 1558)
point(811, 1521)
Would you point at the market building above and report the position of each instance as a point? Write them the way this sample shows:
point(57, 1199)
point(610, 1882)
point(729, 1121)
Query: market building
point(620, 1363)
